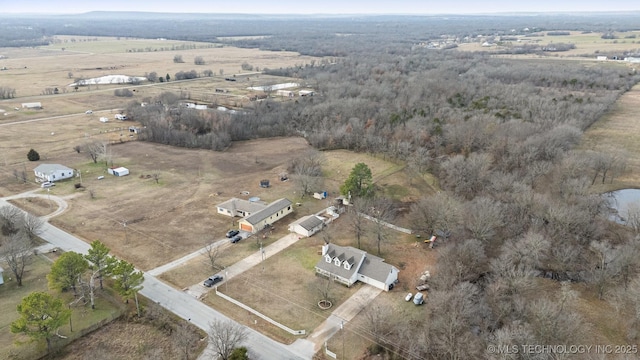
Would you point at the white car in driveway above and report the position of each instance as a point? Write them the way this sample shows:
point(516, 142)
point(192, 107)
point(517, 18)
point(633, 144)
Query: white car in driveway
point(408, 297)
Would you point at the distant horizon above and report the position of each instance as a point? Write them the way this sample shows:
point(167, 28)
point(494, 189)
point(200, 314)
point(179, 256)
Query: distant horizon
point(326, 7)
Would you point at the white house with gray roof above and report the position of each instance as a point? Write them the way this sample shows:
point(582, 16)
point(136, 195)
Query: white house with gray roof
point(239, 207)
point(268, 215)
point(307, 225)
point(52, 172)
point(346, 265)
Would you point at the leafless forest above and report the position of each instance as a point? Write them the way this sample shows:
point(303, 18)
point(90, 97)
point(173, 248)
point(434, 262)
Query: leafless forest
point(531, 246)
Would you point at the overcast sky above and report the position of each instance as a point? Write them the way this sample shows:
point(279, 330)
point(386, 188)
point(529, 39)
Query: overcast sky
point(317, 6)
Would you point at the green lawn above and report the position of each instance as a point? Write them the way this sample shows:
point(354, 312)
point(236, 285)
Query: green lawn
point(82, 319)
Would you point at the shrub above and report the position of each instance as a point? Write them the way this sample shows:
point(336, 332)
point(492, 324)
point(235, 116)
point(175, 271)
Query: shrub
point(33, 155)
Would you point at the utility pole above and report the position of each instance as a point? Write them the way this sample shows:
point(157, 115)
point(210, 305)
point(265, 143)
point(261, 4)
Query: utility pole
point(124, 225)
point(342, 331)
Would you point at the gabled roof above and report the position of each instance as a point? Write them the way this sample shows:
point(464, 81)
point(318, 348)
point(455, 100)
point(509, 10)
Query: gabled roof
point(50, 168)
point(354, 255)
point(375, 268)
point(271, 209)
point(310, 222)
point(234, 204)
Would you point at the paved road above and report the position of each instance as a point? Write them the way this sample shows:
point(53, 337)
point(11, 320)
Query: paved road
point(180, 303)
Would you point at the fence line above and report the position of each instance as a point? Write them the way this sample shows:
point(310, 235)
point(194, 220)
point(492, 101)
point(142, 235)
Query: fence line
point(255, 312)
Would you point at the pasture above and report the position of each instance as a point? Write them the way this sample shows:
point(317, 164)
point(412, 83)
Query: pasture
point(586, 44)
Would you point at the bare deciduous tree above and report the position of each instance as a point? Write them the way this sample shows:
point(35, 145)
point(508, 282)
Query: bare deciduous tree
point(185, 340)
point(224, 336)
point(212, 252)
point(17, 250)
point(32, 226)
point(381, 212)
point(483, 216)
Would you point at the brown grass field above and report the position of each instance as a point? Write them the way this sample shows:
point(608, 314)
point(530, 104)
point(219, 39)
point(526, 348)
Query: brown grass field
point(617, 131)
point(172, 218)
point(588, 44)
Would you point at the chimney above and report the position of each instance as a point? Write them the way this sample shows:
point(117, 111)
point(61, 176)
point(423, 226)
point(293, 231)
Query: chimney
point(325, 248)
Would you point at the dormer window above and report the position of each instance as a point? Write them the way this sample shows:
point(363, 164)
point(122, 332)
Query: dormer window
point(346, 265)
point(336, 261)
point(327, 258)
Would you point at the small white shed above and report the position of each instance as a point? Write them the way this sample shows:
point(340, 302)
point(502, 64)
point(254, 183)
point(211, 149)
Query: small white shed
point(118, 171)
point(1, 275)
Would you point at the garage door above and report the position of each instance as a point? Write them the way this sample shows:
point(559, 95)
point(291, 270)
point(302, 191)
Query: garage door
point(246, 227)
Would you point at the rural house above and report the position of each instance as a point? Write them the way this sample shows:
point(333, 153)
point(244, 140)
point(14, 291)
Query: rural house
point(307, 225)
point(267, 216)
point(239, 207)
point(347, 265)
point(52, 172)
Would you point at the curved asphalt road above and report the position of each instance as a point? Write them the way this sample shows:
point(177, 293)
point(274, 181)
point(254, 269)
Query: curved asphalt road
point(182, 304)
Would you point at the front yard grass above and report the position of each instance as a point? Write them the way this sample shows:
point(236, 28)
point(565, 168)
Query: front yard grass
point(283, 287)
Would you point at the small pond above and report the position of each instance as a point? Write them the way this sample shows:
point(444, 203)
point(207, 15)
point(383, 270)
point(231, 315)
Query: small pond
point(620, 201)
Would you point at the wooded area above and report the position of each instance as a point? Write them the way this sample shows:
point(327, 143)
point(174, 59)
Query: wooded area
point(529, 242)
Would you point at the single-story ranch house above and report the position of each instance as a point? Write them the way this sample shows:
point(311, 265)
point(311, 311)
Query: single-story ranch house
point(52, 172)
point(256, 215)
point(239, 207)
point(347, 265)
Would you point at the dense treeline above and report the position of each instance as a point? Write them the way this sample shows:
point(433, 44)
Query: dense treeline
point(530, 247)
point(307, 34)
point(499, 135)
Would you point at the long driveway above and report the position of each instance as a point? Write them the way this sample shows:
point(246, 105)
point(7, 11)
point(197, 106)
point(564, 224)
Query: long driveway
point(180, 303)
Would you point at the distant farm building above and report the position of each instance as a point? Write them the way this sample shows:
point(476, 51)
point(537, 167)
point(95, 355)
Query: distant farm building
point(306, 93)
point(285, 93)
point(52, 172)
point(32, 105)
point(118, 171)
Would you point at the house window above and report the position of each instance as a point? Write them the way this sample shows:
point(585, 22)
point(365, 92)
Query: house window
point(327, 258)
point(289, 208)
point(336, 261)
point(347, 266)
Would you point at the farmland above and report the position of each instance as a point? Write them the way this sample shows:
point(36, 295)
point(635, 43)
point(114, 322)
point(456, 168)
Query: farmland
point(493, 153)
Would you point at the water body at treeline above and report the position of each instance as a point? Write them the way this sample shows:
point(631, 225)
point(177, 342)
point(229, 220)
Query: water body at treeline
point(620, 201)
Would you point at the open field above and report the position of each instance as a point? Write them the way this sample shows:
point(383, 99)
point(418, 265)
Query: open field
point(32, 70)
point(587, 44)
point(618, 131)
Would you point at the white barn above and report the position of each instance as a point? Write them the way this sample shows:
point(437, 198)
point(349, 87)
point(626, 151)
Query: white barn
point(52, 172)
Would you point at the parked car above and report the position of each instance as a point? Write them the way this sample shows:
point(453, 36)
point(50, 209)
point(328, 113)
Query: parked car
point(408, 297)
point(89, 112)
point(422, 287)
point(47, 184)
point(212, 280)
point(232, 233)
point(418, 299)
point(236, 238)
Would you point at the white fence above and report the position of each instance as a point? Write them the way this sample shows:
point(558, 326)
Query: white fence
point(283, 327)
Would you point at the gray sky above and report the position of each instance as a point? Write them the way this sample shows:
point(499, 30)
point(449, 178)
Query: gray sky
point(317, 6)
